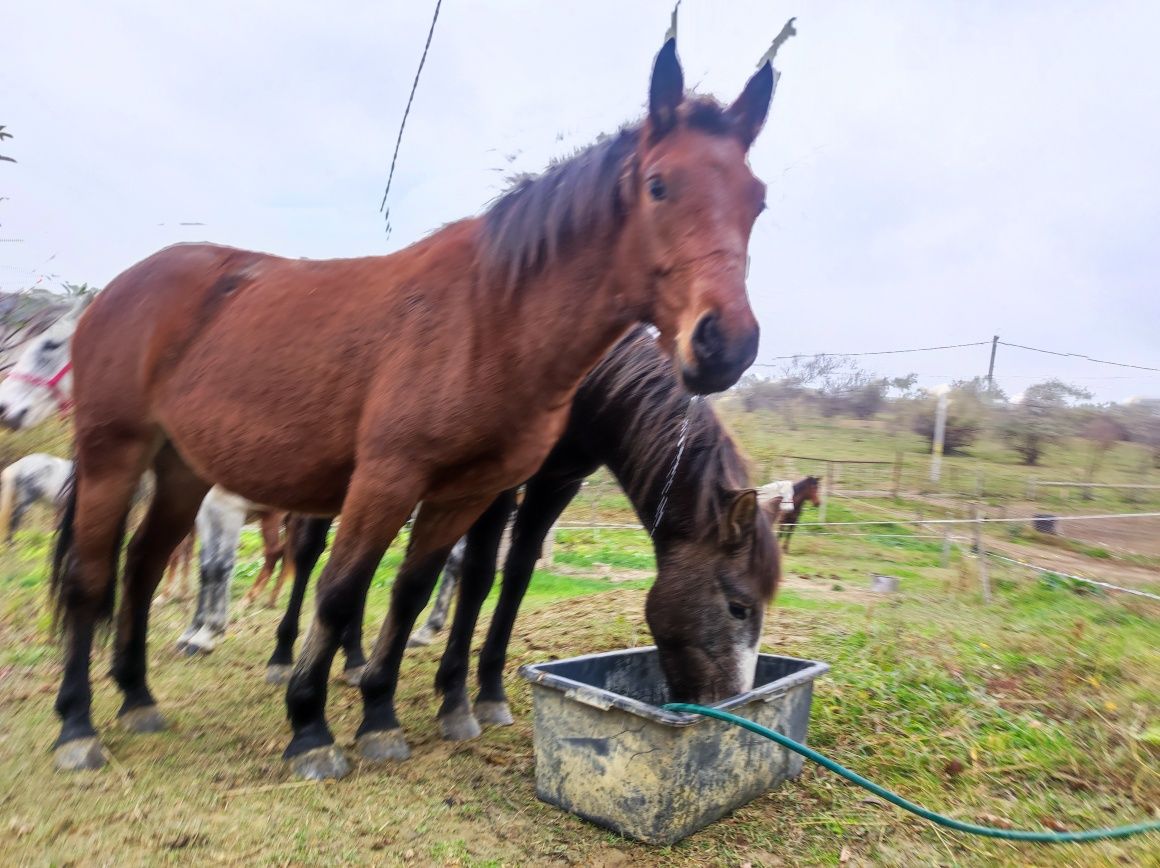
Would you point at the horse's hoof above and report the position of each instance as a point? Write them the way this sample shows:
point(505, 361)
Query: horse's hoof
point(189, 649)
point(278, 673)
point(353, 675)
point(460, 725)
point(321, 764)
point(421, 638)
point(494, 713)
point(144, 719)
point(79, 755)
point(200, 642)
point(383, 745)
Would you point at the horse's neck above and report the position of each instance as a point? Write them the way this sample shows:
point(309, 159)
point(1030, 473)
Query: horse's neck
point(643, 476)
point(565, 318)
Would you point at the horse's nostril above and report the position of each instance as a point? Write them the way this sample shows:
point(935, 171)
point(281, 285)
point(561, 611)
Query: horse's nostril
point(707, 337)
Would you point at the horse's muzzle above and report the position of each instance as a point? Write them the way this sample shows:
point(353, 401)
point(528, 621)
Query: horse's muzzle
point(718, 361)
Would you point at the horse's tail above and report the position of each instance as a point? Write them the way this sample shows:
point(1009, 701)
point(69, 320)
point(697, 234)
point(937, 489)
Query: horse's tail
point(63, 577)
point(9, 482)
point(60, 575)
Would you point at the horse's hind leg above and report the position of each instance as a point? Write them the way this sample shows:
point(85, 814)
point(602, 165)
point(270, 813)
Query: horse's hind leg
point(176, 498)
point(456, 720)
point(306, 544)
point(272, 549)
point(293, 524)
point(88, 546)
point(452, 572)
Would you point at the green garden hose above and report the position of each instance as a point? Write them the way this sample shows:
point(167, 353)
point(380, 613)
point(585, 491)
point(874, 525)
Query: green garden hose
point(958, 825)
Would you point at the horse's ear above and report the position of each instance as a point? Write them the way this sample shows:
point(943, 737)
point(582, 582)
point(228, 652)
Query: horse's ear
point(748, 113)
point(666, 90)
point(740, 518)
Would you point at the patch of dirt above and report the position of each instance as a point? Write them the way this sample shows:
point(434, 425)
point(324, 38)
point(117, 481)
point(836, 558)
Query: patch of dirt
point(829, 587)
point(1101, 570)
point(1136, 535)
point(604, 571)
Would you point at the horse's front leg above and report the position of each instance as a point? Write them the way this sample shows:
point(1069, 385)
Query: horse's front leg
point(306, 546)
point(437, 527)
point(456, 720)
point(372, 514)
point(544, 501)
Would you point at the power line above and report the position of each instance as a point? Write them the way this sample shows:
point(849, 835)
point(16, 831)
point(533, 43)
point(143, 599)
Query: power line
point(871, 353)
point(1086, 358)
point(406, 112)
point(1082, 356)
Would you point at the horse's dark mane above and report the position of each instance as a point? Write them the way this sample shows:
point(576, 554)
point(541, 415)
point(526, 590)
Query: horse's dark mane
point(635, 390)
point(538, 217)
point(802, 484)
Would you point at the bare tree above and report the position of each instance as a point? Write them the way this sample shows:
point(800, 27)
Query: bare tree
point(1040, 419)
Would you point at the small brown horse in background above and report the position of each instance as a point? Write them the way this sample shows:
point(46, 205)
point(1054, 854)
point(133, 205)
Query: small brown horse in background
point(365, 386)
point(808, 490)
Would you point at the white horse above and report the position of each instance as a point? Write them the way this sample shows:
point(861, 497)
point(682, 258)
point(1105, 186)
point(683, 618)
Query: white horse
point(34, 478)
point(40, 383)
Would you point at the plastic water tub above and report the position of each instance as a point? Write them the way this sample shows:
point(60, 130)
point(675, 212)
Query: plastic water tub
point(607, 752)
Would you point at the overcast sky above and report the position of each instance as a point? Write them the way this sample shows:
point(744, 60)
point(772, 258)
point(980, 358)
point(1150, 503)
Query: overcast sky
point(938, 172)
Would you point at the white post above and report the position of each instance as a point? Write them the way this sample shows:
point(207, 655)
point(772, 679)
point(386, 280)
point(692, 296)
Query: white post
point(981, 552)
point(548, 551)
point(940, 430)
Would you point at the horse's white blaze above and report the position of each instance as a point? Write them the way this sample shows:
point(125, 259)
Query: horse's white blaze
point(747, 665)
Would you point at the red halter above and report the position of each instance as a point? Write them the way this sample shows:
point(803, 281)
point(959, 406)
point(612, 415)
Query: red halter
point(63, 402)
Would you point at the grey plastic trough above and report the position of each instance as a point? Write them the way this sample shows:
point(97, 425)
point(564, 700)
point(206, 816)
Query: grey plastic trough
point(607, 752)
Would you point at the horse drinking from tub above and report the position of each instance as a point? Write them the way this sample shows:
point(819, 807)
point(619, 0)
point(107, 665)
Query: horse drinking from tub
point(392, 380)
point(717, 561)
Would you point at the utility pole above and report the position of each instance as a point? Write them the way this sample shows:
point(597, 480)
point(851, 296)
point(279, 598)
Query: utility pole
point(991, 367)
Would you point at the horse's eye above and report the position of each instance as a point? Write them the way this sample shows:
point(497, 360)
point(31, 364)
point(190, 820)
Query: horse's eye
point(656, 188)
point(52, 346)
point(738, 611)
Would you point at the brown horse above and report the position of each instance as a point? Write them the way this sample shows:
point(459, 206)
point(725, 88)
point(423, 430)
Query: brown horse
point(716, 556)
point(364, 386)
point(808, 490)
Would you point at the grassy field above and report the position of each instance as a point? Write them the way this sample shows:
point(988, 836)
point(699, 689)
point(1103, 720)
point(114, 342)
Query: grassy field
point(1041, 709)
